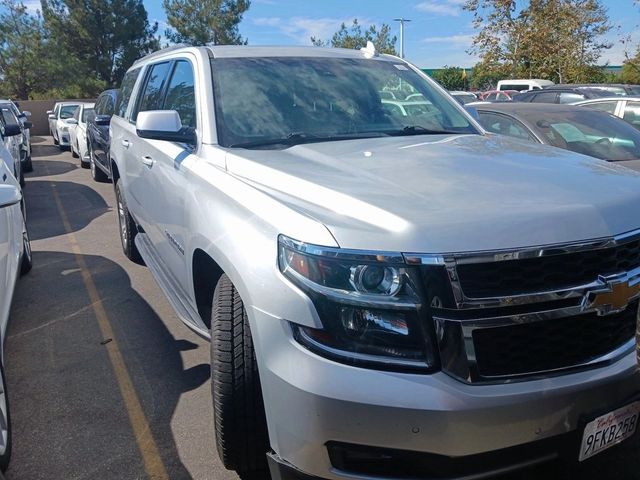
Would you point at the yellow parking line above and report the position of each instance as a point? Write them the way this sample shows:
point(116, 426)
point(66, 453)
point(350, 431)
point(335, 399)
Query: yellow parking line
point(144, 437)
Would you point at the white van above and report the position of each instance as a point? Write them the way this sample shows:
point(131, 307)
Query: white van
point(521, 85)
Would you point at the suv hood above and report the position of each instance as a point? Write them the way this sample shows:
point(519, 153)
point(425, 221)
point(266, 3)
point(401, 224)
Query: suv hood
point(437, 194)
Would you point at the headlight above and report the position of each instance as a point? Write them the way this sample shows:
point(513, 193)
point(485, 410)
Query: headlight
point(369, 304)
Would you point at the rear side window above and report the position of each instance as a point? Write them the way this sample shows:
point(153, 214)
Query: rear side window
point(181, 94)
point(152, 94)
point(544, 97)
point(504, 125)
point(569, 97)
point(609, 107)
point(632, 114)
point(126, 89)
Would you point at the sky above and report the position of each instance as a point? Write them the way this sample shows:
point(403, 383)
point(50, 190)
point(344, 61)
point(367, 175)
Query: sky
point(439, 33)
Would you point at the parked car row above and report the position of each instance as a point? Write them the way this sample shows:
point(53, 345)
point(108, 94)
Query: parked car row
point(15, 248)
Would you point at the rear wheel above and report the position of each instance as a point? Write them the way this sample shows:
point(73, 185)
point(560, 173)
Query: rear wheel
point(28, 166)
point(96, 173)
point(128, 229)
point(85, 163)
point(240, 424)
point(26, 263)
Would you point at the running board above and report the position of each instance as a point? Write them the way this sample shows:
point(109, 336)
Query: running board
point(184, 310)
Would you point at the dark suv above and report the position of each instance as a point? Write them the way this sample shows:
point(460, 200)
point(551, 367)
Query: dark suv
point(98, 135)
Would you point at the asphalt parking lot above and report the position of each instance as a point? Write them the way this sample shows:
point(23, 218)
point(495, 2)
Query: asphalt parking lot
point(104, 382)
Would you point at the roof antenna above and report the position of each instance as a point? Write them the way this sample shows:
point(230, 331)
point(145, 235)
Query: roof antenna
point(370, 50)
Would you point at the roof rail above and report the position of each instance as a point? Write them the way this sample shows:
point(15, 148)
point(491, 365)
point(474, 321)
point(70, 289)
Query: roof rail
point(162, 51)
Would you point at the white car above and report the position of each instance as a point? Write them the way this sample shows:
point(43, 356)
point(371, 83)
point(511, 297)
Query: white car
point(11, 137)
point(78, 132)
point(627, 108)
point(25, 122)
point(15, 260)
point(58, 123)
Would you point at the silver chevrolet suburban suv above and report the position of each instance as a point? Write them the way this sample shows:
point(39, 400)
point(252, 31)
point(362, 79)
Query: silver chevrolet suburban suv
point(389, 291)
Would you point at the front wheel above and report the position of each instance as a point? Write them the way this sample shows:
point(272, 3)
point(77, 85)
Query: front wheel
point(128, 229)
point(5, 425)
point(74, 151)
point(240, 424)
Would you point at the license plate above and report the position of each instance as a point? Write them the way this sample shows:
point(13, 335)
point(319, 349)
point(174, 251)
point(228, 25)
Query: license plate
point(609, 430)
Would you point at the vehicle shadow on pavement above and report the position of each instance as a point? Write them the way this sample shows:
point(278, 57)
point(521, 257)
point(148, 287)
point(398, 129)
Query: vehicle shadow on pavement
point(47, 168)
point(46, 151)
point(68, 414)
point(82, 205)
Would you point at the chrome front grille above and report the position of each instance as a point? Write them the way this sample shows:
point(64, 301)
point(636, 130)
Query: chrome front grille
point(541, 310)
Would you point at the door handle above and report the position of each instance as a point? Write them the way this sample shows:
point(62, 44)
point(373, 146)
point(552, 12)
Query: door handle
point(148, 161)
point(126, 143)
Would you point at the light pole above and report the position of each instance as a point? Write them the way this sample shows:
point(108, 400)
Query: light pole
point(401, 20)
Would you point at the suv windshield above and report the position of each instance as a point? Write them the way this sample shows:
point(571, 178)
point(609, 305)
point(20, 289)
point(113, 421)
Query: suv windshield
point(289, 100)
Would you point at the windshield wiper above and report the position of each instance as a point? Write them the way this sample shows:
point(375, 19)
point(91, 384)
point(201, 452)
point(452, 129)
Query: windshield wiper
point(419, 130)
point(297, 138)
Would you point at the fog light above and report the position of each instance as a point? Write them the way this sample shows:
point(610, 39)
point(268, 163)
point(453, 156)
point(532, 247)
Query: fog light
point(359, 322)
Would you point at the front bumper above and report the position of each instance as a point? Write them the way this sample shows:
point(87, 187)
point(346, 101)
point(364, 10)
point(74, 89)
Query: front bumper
point(312, 402)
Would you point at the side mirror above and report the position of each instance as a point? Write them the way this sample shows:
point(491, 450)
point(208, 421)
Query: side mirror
point(27, 125)
point(71, 121)
point(26, 113)
point(163, 125)
point(11, 130)
point(49, 112)
point(103, 120)
point(9, 195)
point(52, 116)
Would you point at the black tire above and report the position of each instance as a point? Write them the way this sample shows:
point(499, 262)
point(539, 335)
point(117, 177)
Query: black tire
point(28, 166)
point(96, 172)
point(6, 456)
point(73, 152)
point(55, 140)
point(22, 181)
point(127, 227)
point(84, 164)
point(240, 424)
point(26, 263)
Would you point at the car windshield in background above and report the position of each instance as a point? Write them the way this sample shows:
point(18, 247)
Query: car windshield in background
point(86, 114)
point(67, 111)
point(588, 132)
point(282, 101)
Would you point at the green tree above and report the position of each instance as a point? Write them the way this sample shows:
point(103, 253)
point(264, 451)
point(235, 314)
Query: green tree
point(354, 37)
point(201, 22)
point(451, 78)
point(102, 37)
point(557, 39)
point(21, 50)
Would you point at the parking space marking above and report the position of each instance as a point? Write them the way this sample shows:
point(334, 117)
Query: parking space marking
point(144, 437)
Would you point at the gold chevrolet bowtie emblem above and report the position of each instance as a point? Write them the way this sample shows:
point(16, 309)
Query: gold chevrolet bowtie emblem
point(615, 298)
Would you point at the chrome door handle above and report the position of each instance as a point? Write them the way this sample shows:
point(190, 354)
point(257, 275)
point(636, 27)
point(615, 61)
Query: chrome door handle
point(148, 161)
point(126, 143)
